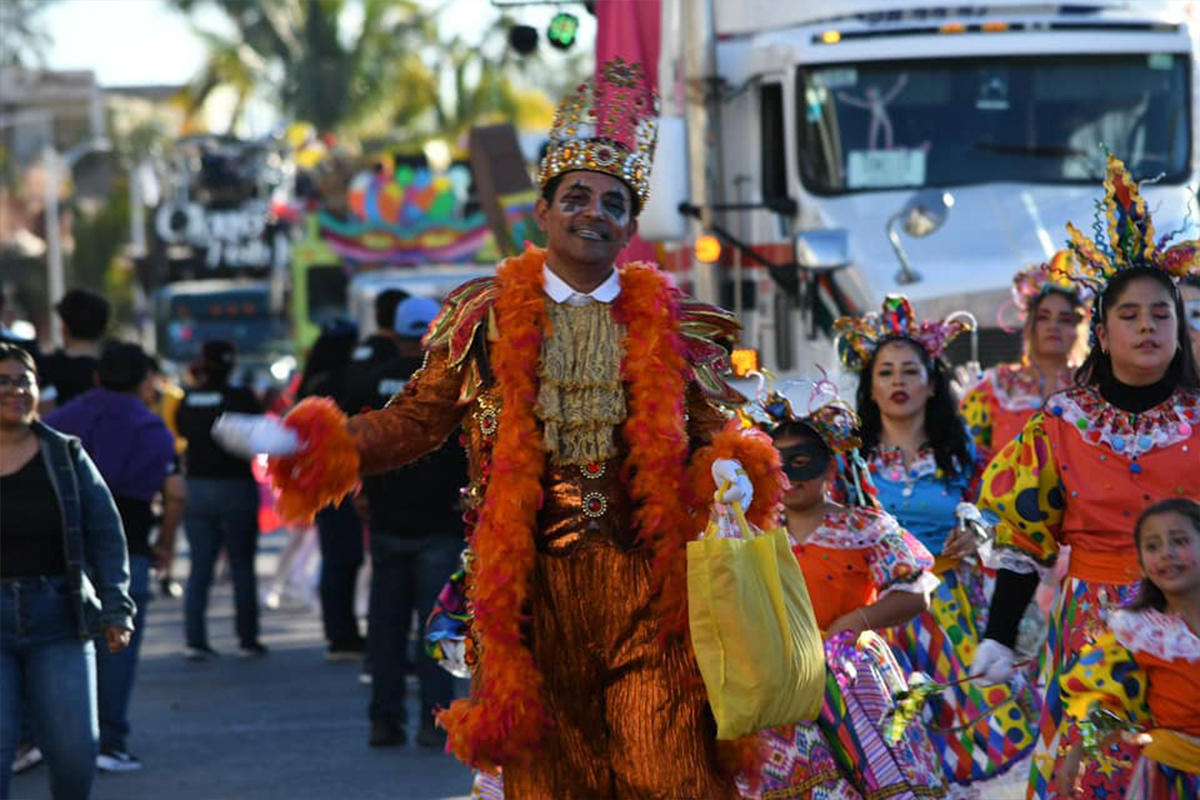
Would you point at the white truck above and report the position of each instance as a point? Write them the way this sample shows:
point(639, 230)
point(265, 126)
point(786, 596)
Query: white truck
point(931, 150)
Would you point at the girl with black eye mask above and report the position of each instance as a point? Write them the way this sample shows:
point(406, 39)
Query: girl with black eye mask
point(864, 572)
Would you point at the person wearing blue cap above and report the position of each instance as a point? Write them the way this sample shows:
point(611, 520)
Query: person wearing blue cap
point(415, 522)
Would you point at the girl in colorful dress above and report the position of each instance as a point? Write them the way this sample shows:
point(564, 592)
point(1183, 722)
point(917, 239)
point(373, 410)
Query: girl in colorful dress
point(1124, 437)
point(924, 466)
point(864, 572)
point(1140, 675)
point(1052, 312)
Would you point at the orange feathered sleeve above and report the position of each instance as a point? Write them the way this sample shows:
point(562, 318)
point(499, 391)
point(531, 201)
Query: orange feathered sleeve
point(338, 450)
point(414, 422)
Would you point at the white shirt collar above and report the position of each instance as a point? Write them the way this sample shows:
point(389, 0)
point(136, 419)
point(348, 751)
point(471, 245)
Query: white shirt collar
point(561, 292)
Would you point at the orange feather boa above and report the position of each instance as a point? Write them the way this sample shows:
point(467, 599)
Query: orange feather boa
point(504, 718)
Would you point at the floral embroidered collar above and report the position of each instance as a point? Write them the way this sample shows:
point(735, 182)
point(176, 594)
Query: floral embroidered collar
point(887, 462)
point(851, 529)
point(1019, 388)
point(1164, 636)
point(1099, 422)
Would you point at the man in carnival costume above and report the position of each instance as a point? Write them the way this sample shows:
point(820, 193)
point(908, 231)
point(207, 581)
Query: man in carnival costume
point(590, 399)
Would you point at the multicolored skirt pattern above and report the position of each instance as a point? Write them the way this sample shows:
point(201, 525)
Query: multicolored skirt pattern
point(1154, 781)
point(980, 732)
point(487, 786)
point(1075, 622)
point(843, 756)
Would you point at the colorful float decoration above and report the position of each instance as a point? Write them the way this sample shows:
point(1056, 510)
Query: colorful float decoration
point(411, 216)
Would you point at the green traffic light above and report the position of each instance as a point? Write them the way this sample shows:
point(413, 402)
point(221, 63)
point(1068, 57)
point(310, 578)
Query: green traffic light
point(562, 30)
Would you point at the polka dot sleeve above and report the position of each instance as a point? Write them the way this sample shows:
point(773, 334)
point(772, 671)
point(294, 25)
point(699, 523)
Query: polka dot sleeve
point(1023, 494)
point(978, 409)
point(1105, 677)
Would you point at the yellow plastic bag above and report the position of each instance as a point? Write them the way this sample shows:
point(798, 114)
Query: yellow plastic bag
point(753, 630)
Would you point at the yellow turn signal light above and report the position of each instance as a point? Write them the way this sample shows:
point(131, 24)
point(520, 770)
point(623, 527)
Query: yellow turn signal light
point(831, 37)
point(708, 249)
point(953, 27)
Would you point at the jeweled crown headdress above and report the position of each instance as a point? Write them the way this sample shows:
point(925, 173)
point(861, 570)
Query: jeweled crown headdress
point(608, 124)
point(1030, 284)
point(1123, 237)
point(862, 336)
point(822, 409)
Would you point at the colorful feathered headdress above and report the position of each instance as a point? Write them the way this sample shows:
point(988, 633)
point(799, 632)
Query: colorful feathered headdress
point(608, 124)
point(1124, 238)
point(1030, 284)
point(862, 336)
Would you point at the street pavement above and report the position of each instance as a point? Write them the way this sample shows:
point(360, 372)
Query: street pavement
point(290, 726)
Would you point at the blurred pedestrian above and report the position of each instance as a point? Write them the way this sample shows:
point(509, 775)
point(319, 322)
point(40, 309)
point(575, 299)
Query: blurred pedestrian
point(222, 504)
point(135, 453)
point(71, 370)
point(64, 581)
point(416, 527)
point(163, 396)
point(339, 528)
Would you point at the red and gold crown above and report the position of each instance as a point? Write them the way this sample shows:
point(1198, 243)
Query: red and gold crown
point(608, 124)
point(1030, 284)
point(1124, 237)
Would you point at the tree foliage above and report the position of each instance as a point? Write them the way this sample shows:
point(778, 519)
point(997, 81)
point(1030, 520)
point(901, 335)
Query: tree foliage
point(23, 40)
point(310, 59)
point(376, 68)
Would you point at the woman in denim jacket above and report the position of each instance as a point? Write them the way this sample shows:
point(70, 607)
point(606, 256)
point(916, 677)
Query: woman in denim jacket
point(64, 581)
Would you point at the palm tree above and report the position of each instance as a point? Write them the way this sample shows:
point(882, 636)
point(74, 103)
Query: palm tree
point(375, 80)
point(318, 69)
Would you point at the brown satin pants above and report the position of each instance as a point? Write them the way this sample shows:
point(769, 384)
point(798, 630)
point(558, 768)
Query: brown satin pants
point(630, 720)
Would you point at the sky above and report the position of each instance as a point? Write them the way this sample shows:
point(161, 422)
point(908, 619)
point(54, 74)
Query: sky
point(146, 41)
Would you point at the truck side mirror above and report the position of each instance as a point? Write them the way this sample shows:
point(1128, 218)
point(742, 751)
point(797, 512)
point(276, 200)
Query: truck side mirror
point(924, 213)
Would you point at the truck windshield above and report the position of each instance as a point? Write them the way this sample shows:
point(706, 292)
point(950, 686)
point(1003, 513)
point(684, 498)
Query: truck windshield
point(946, 122)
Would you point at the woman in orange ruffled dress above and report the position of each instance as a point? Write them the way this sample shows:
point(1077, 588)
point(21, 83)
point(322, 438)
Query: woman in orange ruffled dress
point(1127, 435)
point(864, 572)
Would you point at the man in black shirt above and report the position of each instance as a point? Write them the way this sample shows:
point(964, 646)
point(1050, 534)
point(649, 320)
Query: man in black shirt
point(222, 504)
point(71, 370)
point(415, 525)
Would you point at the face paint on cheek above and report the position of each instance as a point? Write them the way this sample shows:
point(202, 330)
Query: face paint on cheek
point(618, 216)
point(795, 466)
